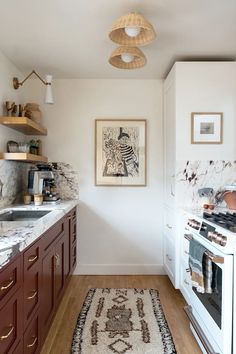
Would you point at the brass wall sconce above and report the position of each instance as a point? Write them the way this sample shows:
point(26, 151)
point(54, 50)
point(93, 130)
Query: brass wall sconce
point(47, 82)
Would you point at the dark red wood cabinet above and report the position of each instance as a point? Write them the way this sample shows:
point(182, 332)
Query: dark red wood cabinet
point(32, 286)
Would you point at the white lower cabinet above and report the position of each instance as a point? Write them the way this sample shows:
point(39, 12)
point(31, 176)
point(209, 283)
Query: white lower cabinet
point(170, 245)
point(185, 277)
point(185, 281)
point(169, 258)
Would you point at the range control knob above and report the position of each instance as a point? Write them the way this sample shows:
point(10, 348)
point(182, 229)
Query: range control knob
point(217, 238)
point(212, 236)
point(223, 241)
point(194, 224)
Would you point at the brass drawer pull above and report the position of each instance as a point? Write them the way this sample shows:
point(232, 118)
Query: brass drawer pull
point(33, 343)
point(32, 296)
point(58, 261)
point(32, 258)
point(4, 287)
point(8, 334)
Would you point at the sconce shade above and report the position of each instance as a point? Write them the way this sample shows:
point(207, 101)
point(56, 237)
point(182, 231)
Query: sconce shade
point(48, 93)
point(132, 30)
point(122, 58)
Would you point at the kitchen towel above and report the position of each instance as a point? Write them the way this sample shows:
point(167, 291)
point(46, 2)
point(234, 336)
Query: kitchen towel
point(196, 253)
point(207, 273)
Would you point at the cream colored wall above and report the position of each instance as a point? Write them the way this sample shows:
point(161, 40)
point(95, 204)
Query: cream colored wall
point(119, 227)
point(8, 93)
point(205, 87)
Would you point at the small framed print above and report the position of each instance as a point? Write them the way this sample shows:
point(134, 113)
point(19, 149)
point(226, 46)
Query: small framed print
point(120, 152)
point(207, 128)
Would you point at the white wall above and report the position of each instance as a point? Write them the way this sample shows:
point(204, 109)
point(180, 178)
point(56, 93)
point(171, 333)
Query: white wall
point(119, 227)
point(205, 87)
point(8, 93)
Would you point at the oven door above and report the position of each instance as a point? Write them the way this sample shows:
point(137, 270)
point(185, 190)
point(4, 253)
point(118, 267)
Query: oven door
point(213, 312)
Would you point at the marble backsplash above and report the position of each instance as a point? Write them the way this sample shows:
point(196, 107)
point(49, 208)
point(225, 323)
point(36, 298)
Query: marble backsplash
point(14, 177)
point(12, 181)
point(193, 175)
point(66, 180)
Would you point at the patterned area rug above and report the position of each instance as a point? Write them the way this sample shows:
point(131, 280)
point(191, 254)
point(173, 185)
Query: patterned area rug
point(122, 321)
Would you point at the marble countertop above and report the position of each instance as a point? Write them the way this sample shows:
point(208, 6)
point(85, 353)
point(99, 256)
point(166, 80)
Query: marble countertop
point(15, 236)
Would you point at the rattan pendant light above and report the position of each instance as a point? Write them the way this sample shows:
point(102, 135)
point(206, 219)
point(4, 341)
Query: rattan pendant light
point(127, 58)
point(132, 30)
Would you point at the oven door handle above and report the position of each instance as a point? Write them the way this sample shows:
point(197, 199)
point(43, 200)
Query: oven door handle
point(214, 258)
point(188, 237)
point(207, 346)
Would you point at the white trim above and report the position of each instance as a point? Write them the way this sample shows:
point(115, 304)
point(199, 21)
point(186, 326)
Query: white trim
point(119, 269)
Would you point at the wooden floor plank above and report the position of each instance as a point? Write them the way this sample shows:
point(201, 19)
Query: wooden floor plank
point(60, 335)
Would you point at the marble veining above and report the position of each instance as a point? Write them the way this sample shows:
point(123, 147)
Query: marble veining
point(12, 176)
point(66, 180)
point(193, 175)
point(16, 236)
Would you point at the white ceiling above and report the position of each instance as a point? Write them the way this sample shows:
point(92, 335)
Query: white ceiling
point(69, 38)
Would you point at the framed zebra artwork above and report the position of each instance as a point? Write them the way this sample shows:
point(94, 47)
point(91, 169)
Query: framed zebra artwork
point(120, 152)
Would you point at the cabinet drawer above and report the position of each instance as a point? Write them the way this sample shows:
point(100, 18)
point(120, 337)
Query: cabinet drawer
point(52, 235)
point(32, 256)
point(11, 323)
point(169, 257)
point(169, 222)
point(32, 291)
point(32, 337)
point(11, 278)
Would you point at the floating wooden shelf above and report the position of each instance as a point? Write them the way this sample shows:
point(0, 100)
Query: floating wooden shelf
point(24, 125)
point(21, 156)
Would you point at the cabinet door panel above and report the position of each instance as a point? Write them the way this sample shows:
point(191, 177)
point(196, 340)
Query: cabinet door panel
point(47, 294)
point(59, 268)
point(32, 256)
point(11, 278)
point(32, 289)
point(169, 258)
point(11, 323)
point(73, 257)
point(52, 235)
point(32, 337)
point(67, 265)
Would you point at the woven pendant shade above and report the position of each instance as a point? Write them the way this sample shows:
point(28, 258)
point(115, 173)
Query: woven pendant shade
point(118, 35)
point(138, 61)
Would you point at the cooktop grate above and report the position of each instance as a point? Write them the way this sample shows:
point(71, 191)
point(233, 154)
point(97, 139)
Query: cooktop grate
point(226, 220)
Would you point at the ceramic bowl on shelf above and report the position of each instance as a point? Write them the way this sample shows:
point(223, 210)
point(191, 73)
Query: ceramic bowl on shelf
point(24, 147)
point(12, 146)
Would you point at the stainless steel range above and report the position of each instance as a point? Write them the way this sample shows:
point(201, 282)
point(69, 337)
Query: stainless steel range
point(212, 314)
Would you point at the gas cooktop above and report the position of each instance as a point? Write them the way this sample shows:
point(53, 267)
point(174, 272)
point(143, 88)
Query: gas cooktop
point(226, 220)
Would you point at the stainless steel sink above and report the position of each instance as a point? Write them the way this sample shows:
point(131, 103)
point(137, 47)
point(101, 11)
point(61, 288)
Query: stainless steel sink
point(23, 215)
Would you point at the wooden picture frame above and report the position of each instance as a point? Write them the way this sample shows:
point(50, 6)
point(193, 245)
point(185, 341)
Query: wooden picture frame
point(206, 128)
point(120, 152)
